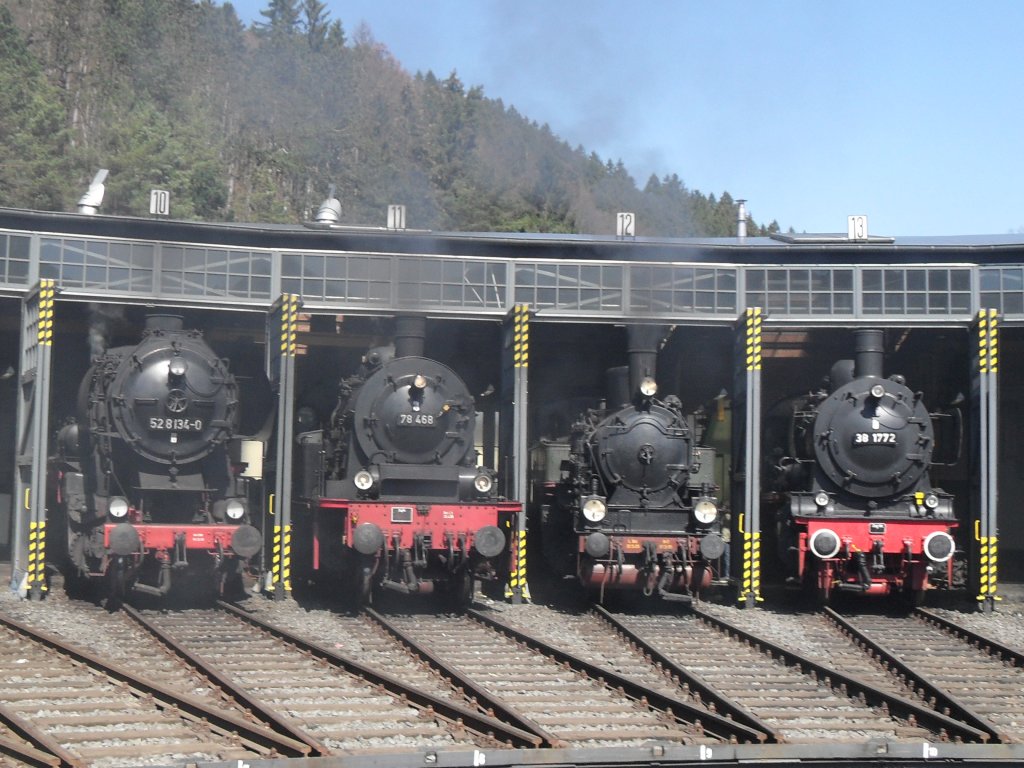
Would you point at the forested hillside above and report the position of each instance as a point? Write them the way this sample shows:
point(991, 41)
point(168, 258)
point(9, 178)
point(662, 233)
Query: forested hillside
point(254, 124)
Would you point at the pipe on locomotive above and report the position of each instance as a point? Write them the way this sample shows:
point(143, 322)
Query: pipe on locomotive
point(869, 353)
point(410, 335)
point(642, 342)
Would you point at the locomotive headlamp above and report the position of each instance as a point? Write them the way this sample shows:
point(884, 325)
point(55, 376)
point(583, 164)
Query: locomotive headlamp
point(931, 501)
point(363, 480)
point(178, 366)
point(939, 546)
point(118, 506)
point(234, 509)
point(483, 483)
point(877, 391)
point(419, 381)
point(648, 387)
point(705, 510)
point(594, 509)
point(821, 499)
point(824, 543)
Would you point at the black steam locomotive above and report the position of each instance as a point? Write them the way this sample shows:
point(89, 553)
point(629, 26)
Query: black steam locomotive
point(861, 513)
point(391, 495)
point(143, 481)
point(629, 500)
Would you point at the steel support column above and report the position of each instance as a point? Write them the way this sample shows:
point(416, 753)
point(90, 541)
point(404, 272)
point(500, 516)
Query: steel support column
point(985, 406)
point(28, 548)
point(513, 426)
point(282, 322)
point(748, 466)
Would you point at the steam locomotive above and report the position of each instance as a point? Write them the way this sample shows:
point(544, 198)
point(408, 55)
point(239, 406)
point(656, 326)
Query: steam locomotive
point(628, 502)
point(861, 513)
point(143, 483)
point(391, 496)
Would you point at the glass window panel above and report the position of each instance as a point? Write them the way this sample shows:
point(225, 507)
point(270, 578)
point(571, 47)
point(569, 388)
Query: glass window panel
point(142, 256)
point(799, 280)
point(217, 260)
point(569, 274)
point(380, 291)
point(95, 275)
point(704, 300)
point(18, 247)
point(1012, 279)
point(173, 258)
point(142, 281)
point(72, 274)
point(238, 285)
point(916, 303)
point(590, 276)
point(452, 294)
point(546, 297)
point(49, 271)
point(216, 283)
point(74, 252)
point(961, 280)
point(612, 277)
point(872, 303)
point(641, 277)
point(755, 280)
point(871, 279)
point(119, 276)
point(291, 265)
point(799, 303)
point(894, 279)
point(1013, 304)
point(260, 264)
point(777, 281)
point(821, 280)
point(261, 287)
point(916, 280)
point(17, 271)
point(195, 259)
point(726, 279)
point(662, 300)
point(312, 265)
point(3, 246)
point(546, 276)
point(842, 280)
point(359, 269)
point(960, 302)
point(938, 280)
point(523, 295)
point(777, 302)
point(451, 271)
point(821, 303)
point(989, 279)
point(938, 302)
point(894, 302)
point(96, 251)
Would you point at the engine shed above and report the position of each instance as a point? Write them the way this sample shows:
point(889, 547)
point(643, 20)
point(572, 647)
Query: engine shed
point(535, 319)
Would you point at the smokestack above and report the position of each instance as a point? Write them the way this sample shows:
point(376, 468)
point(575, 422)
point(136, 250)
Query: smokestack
point(741, 220)
point(89, 203)
point(869, 350)
point(162, 322)
point(642, 343)
point(617, 386)
point(330, 209)
point(410, 333)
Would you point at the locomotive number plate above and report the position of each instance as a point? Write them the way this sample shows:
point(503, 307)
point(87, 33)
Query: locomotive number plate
point(416, 420)
point(874, 438)
point(175, 425)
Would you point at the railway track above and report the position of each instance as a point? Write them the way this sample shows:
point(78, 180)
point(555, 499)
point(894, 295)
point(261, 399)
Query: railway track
point(80, 710)
point(555, 695)
point(329, 702)
point(799, 699)
point(979, 683)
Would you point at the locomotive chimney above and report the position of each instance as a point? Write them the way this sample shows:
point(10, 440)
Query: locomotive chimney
point(869, 349)
point(410, 333)
point(164, 322)
point(643, 353)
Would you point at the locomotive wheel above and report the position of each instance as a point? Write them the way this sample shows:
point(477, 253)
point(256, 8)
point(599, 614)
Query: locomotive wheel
point(461, 589)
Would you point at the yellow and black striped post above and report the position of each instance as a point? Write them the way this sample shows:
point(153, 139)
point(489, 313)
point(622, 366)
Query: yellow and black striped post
point(516, 369)
point(986, 533)
point(750, 583)
point(282, 332)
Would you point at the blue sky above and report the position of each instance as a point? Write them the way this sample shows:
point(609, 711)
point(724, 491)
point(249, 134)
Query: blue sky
point(908, 112)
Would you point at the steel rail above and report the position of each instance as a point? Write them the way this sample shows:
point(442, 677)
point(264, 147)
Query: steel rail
point(942, 697)
point(267, 713)
point(987, 644)
point(711, 722)
point(494, 704)
point(45, 749)
point(722, 703)
point(260, 737)
point(854, 686)
point(480, 723)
